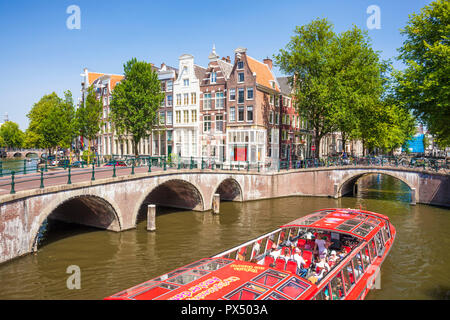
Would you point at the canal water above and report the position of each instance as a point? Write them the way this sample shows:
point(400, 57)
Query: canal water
point(416, 268)
point(19, 166)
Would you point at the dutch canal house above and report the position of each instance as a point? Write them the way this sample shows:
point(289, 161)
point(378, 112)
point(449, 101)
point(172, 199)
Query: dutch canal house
point(186, 89)
point(233, 113)
point(108, 142)
point(162, 140)
point(253, 111)
point(213, 113)
point(295, 135)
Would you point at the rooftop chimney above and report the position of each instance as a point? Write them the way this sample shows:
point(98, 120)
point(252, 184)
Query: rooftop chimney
point(268, 62)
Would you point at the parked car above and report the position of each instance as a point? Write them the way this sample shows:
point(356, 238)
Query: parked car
point(79, 164)
point(63, 163)
point(119, 163)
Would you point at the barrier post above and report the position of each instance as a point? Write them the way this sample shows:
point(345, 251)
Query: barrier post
point(42, 179)
point(69, 181)
point(93, 172)
point(12, 183)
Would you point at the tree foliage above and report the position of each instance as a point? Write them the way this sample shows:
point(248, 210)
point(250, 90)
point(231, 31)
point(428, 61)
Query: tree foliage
point(309, 58)
point(51, 122)
point(88, 117)
point(136, 100)
point(424, 85)
point(10, 135)
point(339, 85)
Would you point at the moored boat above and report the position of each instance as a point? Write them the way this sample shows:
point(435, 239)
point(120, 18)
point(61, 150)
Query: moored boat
point(331, 254)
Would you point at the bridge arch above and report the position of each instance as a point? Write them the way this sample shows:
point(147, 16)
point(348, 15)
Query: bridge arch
point(17, 155)
point(85, 209)
point(347, 183)
point(31, 155)
point(176, 193)
point(229, 190)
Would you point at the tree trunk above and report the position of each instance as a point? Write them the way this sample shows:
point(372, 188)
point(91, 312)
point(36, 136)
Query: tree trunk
point(317, 144)
point(135, 147)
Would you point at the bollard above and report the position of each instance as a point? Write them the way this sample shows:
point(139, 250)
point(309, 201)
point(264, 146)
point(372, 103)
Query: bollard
point(150, 165)
point(1, 169)
point(151, 214)
point(413, 196)
point(216, 203)
point(69, 181)
point(93, 172)
point(114, 170)
point(42, 179)
point(12, 183)
point(132, 167)
point(24, 166)
point(165, 164)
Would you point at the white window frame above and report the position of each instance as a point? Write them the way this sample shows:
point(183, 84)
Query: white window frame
point(253, 93)
point(239, 77)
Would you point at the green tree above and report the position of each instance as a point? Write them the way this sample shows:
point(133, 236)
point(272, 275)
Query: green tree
point(424, 85)
point(136, 100)
point(308, 58)
point(88, 118)
point(359, 82)
point(51, 122)
point(335, 76)
point(11, 135)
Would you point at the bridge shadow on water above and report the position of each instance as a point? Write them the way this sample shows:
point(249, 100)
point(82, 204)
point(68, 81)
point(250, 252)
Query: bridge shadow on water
point(55, 230)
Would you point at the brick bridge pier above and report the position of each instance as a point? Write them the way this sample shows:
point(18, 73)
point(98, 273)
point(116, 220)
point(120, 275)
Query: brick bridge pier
point(115, 203)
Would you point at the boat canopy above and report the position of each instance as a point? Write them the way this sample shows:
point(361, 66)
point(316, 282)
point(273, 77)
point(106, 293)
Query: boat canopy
point(359, 223)
point(223, 279)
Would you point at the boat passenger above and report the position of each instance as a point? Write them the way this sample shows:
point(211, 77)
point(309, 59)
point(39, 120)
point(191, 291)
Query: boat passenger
point(320, 246)
point(321, 274)
point(301, 270)
point(337, 289)
point(322, 264)
point(342, 253)
point(286, 255)
point(275, 252)
point(333, 259)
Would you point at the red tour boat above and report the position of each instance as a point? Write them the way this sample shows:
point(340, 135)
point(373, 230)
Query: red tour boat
point(341, 249)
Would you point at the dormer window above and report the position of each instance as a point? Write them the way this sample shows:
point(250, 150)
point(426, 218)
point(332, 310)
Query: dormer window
point(213, 77)
point(240, 65)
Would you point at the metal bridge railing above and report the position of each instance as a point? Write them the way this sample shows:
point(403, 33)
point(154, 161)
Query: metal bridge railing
point(41, 175)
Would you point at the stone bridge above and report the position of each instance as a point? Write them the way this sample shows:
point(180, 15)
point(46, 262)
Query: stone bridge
point(24, 154)
point(116, 203)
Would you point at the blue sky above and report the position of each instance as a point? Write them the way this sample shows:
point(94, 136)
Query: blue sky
point(39, 54)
